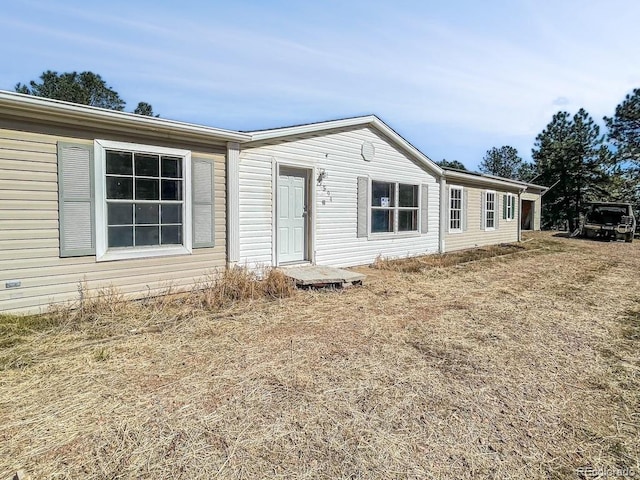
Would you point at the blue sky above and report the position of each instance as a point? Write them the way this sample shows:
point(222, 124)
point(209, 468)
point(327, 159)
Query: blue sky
point(455, 78)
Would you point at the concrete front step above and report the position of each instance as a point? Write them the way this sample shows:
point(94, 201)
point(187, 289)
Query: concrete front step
point(312, 275)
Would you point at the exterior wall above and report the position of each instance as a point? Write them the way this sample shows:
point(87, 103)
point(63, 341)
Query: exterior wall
point(474, 236)
point(339, 154)
point(537, 207)
point(29, 235)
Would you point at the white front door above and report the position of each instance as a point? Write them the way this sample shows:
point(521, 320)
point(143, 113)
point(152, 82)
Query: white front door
point(292, 203)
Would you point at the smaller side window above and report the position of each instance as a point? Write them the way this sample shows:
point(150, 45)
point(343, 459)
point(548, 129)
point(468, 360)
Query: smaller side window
point(490, 211)
point(510, 207)
point(455, 209)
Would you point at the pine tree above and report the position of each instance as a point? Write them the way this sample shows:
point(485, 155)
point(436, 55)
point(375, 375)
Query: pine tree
point(145, 109)
point(624, 137)
point(624, 129)
point(451, 164)
point(571, 157)
point(86, 88)
point(505, 162)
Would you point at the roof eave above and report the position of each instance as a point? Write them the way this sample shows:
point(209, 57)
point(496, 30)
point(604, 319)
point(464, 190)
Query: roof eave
point(261, 135)
point(539, 187)
point(36, 108)
point(485, 180)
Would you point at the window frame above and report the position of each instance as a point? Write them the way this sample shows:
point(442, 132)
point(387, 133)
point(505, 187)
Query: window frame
point(486, 209)
point(103, 252)
point(395, 209)
point(510, 214)
point(458, 229)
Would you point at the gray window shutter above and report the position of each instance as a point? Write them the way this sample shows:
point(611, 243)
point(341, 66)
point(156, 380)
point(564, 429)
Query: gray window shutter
point(504, 207)
point(202, 194)
point(363, 207)
point(76, 200)
point(448, 209)
point(465, 208)
point(424, 209)
point(515, 206)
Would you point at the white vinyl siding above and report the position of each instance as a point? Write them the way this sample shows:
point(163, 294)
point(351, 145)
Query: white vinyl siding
point(29, 233)
point(339, 154)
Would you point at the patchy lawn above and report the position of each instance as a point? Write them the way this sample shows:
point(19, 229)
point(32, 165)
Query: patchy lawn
point(521, 366)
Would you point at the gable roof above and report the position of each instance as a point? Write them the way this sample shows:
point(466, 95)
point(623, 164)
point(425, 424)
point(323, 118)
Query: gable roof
point(57, 111)
point(364, 121)
point(66, 113)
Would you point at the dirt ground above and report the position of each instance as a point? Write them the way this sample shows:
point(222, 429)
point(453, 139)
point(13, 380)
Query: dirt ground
point(522, 367)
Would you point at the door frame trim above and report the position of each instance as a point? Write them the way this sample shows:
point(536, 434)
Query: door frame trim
point(310, 230)
point(533, 215)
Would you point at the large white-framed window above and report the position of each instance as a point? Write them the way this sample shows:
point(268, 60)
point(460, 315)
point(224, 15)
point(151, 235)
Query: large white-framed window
point(143, 201)
point(510, 207)
point(455, 209)
point(394, 207)
point(489, 210)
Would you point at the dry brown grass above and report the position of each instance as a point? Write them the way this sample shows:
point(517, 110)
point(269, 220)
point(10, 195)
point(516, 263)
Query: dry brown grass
point(534, 243)
point(238, 284)
point(522, 367)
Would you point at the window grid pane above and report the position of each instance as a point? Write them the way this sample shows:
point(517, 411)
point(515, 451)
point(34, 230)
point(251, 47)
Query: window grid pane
point(144, 199)
point(511, 207)
point(408, 195)
point(408, 220)
point(382, 194)
point(382, 220)
point(490, 210)
point(455, 209)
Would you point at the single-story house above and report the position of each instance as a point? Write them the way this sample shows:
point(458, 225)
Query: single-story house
point(109, 198)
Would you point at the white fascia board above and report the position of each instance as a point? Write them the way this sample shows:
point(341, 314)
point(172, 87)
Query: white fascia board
point(495, 181)
point(29, 106)
point(260, 135)
point(519, 182)
point(533, 186)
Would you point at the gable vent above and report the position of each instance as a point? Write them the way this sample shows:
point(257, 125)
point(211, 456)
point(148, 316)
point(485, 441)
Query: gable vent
point(368, 151)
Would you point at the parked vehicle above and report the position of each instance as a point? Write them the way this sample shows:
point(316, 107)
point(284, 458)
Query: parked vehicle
point(609, 221)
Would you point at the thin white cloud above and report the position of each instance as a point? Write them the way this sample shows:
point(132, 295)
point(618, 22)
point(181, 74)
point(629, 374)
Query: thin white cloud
point(428, 69)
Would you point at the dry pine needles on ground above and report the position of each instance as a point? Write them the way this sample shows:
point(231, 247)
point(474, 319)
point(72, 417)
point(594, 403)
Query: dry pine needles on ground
point(522, 367)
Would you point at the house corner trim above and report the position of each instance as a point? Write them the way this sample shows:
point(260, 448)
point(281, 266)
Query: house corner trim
point(233, 202)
